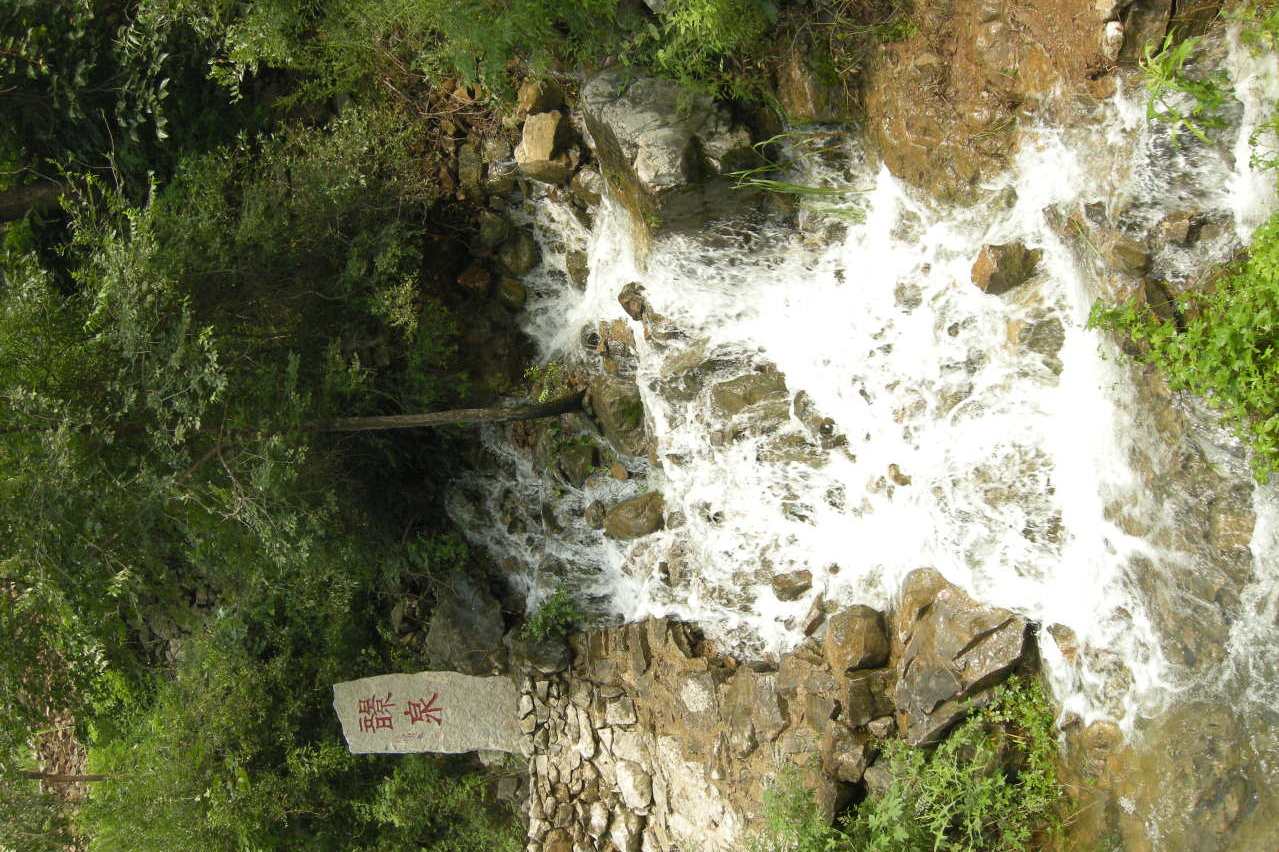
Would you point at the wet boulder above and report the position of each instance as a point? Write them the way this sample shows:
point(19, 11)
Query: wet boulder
point(792, 586)
point(954, 649)
point(576, 265)
point(856, 639)
point(1145, 22)
point(735, 395)
point(1000, 268)
point(633, 301)
point(619, 410)
point(635, 517)
point(576, 461)
point(587, 187)
point(511, 293)
point(520, 254)
point(1126, 255)
point(664, 158)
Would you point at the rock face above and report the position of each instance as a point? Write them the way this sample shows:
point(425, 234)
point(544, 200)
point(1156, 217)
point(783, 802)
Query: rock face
point(662, 158)
point(619, 411)
point(735, 395)
point(954, 648)
point(1000, 268)
point(1197, 772)
point(442, 712)
point(1145, 23)
point(943, 106)
point(636, 517)
point(807, 94)
point(680, 744)
point(466, 629)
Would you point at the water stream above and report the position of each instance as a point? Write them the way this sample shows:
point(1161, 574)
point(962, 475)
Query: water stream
point(925, 423)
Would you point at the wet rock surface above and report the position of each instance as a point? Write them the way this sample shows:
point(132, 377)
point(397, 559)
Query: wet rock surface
point(943, 106)
point(662, 157)
point(635, 517)
point(652, 739)
point(1000, 268)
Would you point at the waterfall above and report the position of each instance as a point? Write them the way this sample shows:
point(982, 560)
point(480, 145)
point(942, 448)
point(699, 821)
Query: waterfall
point(994, 438)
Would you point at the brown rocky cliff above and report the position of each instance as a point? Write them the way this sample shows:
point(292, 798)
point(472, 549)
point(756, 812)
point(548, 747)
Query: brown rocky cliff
point(944, 106)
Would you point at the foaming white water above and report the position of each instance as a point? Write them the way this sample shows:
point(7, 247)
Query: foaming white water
point(989, 437)
point(1255, 75)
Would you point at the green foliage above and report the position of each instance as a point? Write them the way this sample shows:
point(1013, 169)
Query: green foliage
point(151, 393)
point(241, 749)
point(706, 42)
point(1175, 97)
point(1228, 350)
point(990, 785)
point(558, 615)
point(421, 804)
point(547, 381)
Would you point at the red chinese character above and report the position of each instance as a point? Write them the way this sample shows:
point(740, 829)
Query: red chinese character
point(375, 713)
point(425, 711)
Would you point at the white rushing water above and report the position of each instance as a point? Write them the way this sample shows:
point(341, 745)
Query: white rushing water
point(970, 443)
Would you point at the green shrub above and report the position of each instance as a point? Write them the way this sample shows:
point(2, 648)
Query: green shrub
point(991, 785)
point(1168, 84)
point(708, 42)
point(1228, 351)
point(1221, 341)
point(555, 618)
point(241, 748)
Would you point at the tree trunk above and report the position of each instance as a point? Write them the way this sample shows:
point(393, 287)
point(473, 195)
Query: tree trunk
point(455, 417)
point(20, 200)
point(55, 778)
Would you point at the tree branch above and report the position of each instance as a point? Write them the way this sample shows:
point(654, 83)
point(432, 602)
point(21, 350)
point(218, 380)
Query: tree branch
point(455, 417)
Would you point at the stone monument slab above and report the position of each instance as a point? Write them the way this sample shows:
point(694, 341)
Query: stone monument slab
point(429, 711)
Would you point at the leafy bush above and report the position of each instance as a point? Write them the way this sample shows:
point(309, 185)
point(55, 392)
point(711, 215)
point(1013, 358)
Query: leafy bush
point(1221, 343)
point(707, 41)
point(1228, 351)
point(990, 785)
point(242, 750)
point(555, 618)
point(1175, 97)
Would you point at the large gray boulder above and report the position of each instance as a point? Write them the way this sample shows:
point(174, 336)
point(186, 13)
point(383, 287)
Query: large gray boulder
point(955, 648)
point(466, 629)
point(664, 156)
